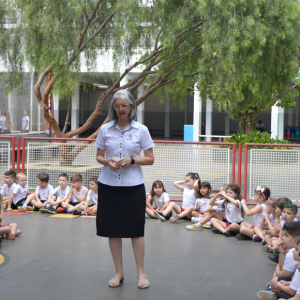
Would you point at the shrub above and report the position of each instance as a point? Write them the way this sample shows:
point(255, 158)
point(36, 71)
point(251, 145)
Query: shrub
point(255, 137)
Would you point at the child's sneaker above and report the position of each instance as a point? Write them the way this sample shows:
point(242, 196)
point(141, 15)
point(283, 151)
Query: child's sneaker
point(43, 210)
point(29, 208)
point(242, 237)
point(256, 238)
point(263, 242)
point(175, 218)
point(160, 216)
point(18, 232)
point(51, 210)
point(77, 212)
point(22, 208)
point(267, 294)
point(61, 210)
point(146, 216)
point(206, 225)
point(195, 220)
point(195, 227)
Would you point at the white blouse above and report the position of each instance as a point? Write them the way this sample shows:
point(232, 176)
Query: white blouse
point(118, 144)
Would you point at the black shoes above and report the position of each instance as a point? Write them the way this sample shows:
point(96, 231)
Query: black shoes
point(274, 257)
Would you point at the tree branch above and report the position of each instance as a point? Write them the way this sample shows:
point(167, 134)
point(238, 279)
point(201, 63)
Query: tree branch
point(186, 30)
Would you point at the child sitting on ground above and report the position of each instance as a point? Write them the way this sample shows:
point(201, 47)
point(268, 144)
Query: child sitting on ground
point(160, 197)
point(19, 194)
point(78, 194)
point(267, 222)
point(261, 195)
point(189, 197)
point(213, 212)
point(58, 195)
point(90, 205)
point(287, 265)
point(202, 201)
point(233, 211)
point(289, 214)
point(10, 231)
point(9, 185)
point(41, 194)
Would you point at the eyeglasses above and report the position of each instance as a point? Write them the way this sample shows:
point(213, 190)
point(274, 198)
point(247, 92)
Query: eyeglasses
point(22, 179)
point(117, 106)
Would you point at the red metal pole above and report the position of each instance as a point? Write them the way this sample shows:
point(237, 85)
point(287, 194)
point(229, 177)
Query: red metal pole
point(245, 171)
point(23, 154)
point(13, 146)
point(18, 153)
point(233, 163)
point(240, 165)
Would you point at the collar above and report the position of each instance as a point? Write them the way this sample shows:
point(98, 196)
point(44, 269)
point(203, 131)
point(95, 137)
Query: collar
point(133, 124)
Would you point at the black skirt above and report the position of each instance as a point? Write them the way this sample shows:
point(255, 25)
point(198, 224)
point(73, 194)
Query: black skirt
point(121, 211)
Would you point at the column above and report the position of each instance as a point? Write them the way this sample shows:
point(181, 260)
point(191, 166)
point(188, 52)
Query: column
point(209, 118)
point(56, 107)
point(197, 115)
point(280, 122)
point(75, 110)
point(11, 112)
point(31, 100)
point(227, 124)
point(277, 122)
point(141, 107)
point(167, 116)
point(290, 117)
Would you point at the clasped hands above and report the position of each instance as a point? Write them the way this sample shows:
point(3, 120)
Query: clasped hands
point(115, 165)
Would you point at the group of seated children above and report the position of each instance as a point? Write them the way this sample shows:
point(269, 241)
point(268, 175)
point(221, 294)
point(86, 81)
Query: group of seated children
point(76, 199)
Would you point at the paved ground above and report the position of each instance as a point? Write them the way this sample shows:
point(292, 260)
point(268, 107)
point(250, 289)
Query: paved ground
point(57, 258)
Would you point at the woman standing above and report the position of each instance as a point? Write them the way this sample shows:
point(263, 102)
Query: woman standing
point(6, 123)
point(25, 122)
point(121, 183)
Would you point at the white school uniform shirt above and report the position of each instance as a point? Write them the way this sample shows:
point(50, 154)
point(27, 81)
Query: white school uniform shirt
point(58, 192)
point(24, 119)
point(258, 217)
point(79, 194)
point(219, 211)
point(92, 196)
point(290, 264)
point(272, 220)
point(20, 192)
point(204, 203)
point(118, 144)
point(44, 193)
point(6, 191)
point(188, 198)
point(159, 202)
point(232, 213)
point(3, 121)
point(295, 284)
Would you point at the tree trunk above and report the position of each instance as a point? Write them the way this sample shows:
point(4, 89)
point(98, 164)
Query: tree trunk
point(249, 127)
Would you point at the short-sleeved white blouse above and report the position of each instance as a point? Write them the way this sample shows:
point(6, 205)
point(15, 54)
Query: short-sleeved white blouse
point(119, 144)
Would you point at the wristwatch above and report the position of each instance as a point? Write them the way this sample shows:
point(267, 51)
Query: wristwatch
point(132, 161)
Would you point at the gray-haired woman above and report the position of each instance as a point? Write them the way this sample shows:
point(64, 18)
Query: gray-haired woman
point(121, 190)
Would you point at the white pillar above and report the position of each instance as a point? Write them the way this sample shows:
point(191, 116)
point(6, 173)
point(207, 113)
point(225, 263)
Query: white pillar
point(167, 116)
point(56, 107)
point(227, 124)
point(277, 122)
point(209, 118)
point(197, 115)
point(280, 123)
point(141, 107)
point(75, 110)
point(290, 117)
point(31, 100)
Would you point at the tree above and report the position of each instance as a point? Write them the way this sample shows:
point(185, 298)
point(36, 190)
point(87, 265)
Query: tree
point(256, 45)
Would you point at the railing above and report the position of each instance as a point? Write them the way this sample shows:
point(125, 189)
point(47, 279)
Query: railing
point(277, 169)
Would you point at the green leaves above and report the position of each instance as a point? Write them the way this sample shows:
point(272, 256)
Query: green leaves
point(257, 137)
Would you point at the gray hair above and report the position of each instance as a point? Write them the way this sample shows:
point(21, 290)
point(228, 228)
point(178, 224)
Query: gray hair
point(126, 97)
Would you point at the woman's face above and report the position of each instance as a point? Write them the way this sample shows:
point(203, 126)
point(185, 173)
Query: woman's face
point(25, 112)
point(122, 108)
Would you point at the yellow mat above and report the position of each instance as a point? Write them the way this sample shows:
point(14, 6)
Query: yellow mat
point(65, 216)
point(1, 259)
